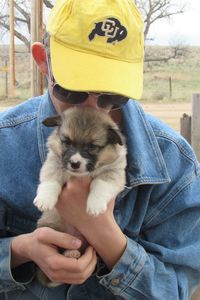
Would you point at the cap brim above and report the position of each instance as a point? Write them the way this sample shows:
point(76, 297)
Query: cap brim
point(80, 71)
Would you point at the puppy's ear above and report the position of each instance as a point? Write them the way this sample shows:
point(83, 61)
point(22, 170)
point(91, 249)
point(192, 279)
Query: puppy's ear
point(52, 121)
point(115, 136)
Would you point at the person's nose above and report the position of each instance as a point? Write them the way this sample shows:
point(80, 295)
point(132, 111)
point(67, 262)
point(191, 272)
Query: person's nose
point(91, 101)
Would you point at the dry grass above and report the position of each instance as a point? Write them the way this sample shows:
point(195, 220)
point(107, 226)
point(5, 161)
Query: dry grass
point(184, 74)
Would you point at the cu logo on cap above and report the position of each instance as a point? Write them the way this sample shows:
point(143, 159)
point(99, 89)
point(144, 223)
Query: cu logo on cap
point(110, 28)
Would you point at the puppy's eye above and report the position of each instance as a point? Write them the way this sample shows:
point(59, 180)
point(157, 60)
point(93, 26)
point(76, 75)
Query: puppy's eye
point(93, 147)
point(67, 141)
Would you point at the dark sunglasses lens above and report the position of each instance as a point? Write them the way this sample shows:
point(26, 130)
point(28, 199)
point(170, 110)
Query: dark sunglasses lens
point(106, 101)
point(70, 97)
point(76, 97)
point(60, 93)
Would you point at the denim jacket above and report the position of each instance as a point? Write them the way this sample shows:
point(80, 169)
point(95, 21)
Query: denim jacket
point(158, 211)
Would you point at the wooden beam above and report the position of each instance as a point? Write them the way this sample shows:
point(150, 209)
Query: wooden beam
point(196, 124)
point(12, 51)
point(185, 126)
point(37, 80)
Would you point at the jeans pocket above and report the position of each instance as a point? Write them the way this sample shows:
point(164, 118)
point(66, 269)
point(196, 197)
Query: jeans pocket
point(2, 296)
point(19, 295)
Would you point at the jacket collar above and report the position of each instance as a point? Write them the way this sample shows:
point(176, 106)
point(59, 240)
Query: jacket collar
point(46, 109)
point(145, 161)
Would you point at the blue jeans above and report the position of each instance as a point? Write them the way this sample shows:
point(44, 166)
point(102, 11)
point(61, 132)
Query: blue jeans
point(36, 292)
point(18, 295)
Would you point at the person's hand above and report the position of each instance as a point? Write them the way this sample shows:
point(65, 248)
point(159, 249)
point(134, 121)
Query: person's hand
point(102, 231)
point(42, 247)
point(73, 201)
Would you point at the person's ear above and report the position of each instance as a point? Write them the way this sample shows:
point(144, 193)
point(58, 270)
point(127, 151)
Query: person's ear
point(39, 55)
point(52, 121)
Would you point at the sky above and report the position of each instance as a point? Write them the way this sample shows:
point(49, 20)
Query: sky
point(184, 28)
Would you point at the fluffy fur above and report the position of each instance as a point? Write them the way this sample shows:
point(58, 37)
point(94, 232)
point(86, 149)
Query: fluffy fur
point(86, 142)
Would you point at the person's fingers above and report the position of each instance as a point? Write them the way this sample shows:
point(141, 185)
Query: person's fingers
point(76, 274)
point(83, 181)
point(74, 186)
point(91, 266)
point(60, 239)
point(72, 265)
point(79, 278)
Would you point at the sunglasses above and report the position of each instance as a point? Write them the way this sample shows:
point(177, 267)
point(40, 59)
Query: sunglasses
point(104, 100)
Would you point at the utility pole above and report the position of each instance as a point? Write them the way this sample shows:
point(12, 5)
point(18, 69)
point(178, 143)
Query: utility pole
point(37, 80)
point(12, 50)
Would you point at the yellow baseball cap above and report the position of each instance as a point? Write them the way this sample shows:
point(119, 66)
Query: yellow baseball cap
point(97, 46)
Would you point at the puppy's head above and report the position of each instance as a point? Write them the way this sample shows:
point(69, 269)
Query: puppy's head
point(85, 139)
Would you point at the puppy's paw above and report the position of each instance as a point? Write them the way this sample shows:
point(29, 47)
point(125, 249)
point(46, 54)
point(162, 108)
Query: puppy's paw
point(47, 195)
point(44, 203)
point(72, 253)
point(96, 207)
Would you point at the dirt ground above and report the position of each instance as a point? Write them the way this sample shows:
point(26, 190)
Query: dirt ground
point(170, 113)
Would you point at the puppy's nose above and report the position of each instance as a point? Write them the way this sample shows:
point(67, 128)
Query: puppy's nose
point(75, 165)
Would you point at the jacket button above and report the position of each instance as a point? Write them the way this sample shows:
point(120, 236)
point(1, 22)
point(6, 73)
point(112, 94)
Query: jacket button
point(115, 281)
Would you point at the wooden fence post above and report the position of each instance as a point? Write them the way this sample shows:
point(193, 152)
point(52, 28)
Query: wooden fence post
point(37, 80)
point(170, 87)
point(196, 146)
point(185, 127)
point(196, 124)
point(12, 50)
